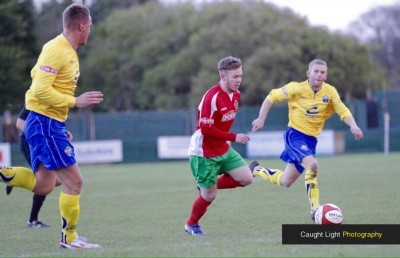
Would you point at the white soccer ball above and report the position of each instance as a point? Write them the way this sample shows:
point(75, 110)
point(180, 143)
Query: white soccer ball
point(328, 214)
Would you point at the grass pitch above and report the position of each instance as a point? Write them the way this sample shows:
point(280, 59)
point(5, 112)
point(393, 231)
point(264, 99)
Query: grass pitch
point(140, 210)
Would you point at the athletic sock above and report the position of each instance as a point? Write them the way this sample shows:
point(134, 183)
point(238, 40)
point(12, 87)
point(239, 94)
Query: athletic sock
point(69, 209)
point(199, 208)
point(226, 181)
point(37, 202)
point(272, 175)
point(312, 189)
point(18, 177)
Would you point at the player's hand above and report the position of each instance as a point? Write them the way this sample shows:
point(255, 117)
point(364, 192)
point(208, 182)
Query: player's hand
point(70, 135)
point(357, 133)
point(242, 138)
point(257, 125)
point(89, 98)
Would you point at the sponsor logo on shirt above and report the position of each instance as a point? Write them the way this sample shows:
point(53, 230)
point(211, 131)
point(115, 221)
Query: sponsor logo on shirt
point(48, 69)
point(206, 121)
point(229, 116)
point(312, 111)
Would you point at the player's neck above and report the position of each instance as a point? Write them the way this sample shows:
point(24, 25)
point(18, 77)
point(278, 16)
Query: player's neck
point(225, 88)
point(70, 36)
point(315, 88)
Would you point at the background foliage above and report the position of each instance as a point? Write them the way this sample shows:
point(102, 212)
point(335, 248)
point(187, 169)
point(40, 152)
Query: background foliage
point(146, 55)
point(18, 49)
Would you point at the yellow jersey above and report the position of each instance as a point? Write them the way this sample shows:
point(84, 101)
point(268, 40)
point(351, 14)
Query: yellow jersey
point(309, 110)
point(54, 80)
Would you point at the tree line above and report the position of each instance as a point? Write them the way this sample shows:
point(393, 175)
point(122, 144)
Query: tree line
point(146, 55)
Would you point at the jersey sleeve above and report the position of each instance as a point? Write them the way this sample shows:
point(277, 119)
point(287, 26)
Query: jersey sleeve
point(214, 132)
point(339, 107)
point(281, 94)
point(45, 72)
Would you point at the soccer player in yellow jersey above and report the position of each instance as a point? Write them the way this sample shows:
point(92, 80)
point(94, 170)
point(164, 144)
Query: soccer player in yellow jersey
point(54, 80)
point(310, 103)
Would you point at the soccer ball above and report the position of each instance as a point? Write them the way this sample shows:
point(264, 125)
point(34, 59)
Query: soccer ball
point(328, 214)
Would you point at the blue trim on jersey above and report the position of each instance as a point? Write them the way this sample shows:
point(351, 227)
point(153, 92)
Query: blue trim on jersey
point(48, 142)
point(297, 146)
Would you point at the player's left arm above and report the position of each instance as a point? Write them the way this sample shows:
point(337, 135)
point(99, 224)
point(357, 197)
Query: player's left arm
point(346, 116)
point(355, 130)
point(69, 135)
point(46, 72)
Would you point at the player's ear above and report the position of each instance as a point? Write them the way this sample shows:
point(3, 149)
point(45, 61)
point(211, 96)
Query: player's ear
point(222, 75)
point(308, 73)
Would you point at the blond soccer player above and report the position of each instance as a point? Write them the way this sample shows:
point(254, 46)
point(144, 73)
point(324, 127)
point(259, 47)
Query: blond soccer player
point(51, 94)
point(310, 103)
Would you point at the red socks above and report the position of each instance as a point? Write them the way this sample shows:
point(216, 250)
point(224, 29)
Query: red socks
point(200, 204)
point(199, 207)
point(226, 181)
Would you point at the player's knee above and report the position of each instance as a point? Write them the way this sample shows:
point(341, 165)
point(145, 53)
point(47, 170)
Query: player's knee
point(286, 183)
point(246, 180)
point(76, 185)
point(209, 196)
point(73, 185)
point(79, 183)
point(314, 166)
point(43, 189)
point(286, 180)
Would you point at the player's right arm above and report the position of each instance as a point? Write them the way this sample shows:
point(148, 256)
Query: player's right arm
point(258, 123)
point(275, 95)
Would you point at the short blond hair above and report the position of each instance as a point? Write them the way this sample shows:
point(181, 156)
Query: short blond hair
point(317, 62)
point(74, 14)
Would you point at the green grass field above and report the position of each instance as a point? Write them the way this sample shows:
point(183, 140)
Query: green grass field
point(140, 210)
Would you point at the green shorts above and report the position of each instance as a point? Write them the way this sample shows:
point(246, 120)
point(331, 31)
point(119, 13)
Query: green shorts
point(206, 170)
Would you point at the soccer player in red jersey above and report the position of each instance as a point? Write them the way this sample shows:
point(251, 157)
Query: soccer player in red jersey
point(214, 163)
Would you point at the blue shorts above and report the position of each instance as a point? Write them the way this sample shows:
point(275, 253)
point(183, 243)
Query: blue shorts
point(297, 146)
point(48, 142)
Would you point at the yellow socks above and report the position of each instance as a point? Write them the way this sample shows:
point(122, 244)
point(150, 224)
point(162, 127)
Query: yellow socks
point(312, 188)
point(18, 177)
point(273, 175)
point(69, 209)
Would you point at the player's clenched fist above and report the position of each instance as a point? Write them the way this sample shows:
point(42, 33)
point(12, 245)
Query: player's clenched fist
point(89, 98)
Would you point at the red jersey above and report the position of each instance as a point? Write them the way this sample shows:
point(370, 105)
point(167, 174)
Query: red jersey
point(216, 113)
